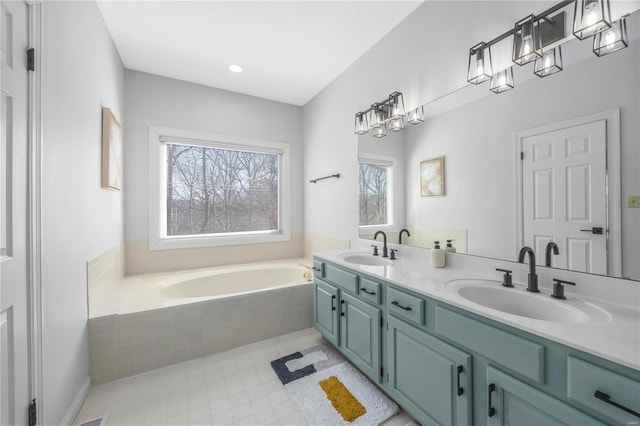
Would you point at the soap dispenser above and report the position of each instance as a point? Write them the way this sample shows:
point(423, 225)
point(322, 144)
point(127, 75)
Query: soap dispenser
point(449, 247)
point(437, 255)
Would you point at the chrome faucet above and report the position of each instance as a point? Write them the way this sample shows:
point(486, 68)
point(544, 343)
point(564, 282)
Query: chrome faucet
point(532, 278)
point(403, 231)
point(384, 242)
point(547, 254)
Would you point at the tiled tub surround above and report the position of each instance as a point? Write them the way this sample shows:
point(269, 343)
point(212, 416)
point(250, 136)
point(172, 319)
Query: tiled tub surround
point(614, 336)
point(149, 329)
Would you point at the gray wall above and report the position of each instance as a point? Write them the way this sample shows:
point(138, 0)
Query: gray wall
point(81, 73)
point(159, 101)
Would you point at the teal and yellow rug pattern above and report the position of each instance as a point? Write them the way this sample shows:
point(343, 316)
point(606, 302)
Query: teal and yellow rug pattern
point(328, 390)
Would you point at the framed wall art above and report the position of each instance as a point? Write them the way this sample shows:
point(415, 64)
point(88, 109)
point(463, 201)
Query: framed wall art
point(432, 177)
point(111, 151)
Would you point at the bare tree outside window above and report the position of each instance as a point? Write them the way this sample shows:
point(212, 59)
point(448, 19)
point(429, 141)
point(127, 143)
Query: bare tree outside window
point(373, 194)
point(217, 191)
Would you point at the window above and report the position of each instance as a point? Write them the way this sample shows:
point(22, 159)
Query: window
point(375, 192)
point(217, 190)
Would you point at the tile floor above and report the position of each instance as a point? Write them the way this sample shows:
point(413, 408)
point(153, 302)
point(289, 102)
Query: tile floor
point(237, 387)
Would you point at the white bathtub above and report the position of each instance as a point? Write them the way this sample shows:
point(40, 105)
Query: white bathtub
point(172, 289)
point(175, 317)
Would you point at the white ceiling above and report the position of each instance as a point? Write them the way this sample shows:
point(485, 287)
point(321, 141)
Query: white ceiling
point(289, 50)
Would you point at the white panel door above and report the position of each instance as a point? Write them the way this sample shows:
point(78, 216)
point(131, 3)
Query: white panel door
point(564, 195)
point(13, 216)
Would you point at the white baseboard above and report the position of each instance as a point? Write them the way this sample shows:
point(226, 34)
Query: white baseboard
point(74, 409)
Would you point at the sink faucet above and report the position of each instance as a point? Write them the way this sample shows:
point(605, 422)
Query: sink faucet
point(384, 242)
point(403, 231)
point(547, 255)
point(532, 279)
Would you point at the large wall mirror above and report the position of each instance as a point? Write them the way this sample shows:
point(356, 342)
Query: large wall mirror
point(554, 159)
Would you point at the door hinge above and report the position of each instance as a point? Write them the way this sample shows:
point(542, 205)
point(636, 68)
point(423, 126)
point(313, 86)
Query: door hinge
point(522, 155)
point(33, 421)
point(31, 59)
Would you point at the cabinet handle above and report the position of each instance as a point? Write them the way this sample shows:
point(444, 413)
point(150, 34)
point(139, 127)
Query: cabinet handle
point(406, 308)
point(341, 308)
point(607, 398)
point(460, 389)
point(492, 411)
point(333, 297)
point(372, 293)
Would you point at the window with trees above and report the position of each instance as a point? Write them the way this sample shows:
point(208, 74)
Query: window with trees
point(215, 191)
point(375, 177)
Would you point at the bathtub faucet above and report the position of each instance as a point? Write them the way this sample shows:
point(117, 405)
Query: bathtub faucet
point(308, 275)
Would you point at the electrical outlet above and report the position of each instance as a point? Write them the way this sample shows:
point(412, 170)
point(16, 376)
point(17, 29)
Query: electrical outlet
point(634, 202)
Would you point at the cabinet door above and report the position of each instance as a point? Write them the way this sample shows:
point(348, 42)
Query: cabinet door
point(325, 304)
point(429, 378)
point(511, 402)
point(360, 333)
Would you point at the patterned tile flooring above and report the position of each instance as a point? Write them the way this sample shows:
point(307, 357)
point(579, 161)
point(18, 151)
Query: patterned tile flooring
point(237, 387)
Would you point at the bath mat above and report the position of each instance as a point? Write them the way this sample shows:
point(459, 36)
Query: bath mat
point(328, 390)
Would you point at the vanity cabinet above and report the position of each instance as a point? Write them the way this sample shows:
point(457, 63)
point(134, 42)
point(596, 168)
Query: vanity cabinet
point(446, 365)
point(428, 377)
point(511, 402)
point(344, 315)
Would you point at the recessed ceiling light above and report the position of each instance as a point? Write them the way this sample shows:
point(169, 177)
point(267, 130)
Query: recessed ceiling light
point(235, 68)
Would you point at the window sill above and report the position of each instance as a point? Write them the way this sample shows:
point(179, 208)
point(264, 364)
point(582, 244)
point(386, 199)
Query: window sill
point(216, 241)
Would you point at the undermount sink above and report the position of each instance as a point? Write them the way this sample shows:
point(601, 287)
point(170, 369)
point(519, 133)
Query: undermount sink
point(366, 259)
point(516, 301)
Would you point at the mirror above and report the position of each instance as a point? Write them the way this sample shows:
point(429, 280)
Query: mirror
point(494, 202)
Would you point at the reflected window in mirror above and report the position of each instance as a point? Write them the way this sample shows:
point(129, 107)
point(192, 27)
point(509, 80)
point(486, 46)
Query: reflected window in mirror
point(376, 198)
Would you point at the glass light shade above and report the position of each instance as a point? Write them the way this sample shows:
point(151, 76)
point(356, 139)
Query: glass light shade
point(502, 81)
point(380, 132)
point(396, 124)
point(527, 41)
point(396, 105)
point(377, 116)
point(362, 125)
point(416, 116)
point(612, 39)
point(550, 63)
point(591, 17)
point(480, 69)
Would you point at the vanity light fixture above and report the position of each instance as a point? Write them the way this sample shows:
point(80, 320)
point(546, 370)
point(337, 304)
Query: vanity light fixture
point(550, 63)
point(377, 115)
point(612, 39)
point(380, 132)
point(502, 81)
point(362, 125)
point(527, 41)
point(480, 69)
point(591, 17)
point(396, 106)
point(416, 116)
point(391, 110)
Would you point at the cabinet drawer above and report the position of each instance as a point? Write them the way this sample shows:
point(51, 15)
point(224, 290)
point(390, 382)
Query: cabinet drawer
point(584, 379)
point(516, 353)
point(405, 306)
point(341, 278)
point(318, 268)
point(370, 290)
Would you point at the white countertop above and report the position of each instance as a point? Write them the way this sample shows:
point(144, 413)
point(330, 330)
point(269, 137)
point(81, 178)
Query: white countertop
point(613, 333)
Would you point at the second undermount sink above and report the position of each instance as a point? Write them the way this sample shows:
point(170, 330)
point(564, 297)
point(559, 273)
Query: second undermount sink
point(516, 301)
point(366, 259)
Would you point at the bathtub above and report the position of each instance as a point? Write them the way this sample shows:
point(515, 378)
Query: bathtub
point(175, 317)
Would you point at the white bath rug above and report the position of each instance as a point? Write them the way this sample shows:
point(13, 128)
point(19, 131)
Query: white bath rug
point(328, 390)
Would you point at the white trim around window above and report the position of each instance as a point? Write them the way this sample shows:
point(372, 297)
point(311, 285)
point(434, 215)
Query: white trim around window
point(158, 239)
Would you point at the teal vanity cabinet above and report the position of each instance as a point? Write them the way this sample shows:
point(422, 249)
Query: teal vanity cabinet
point(348, 315)
point(511, 402)
point(446, 365)
point(429, 378)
